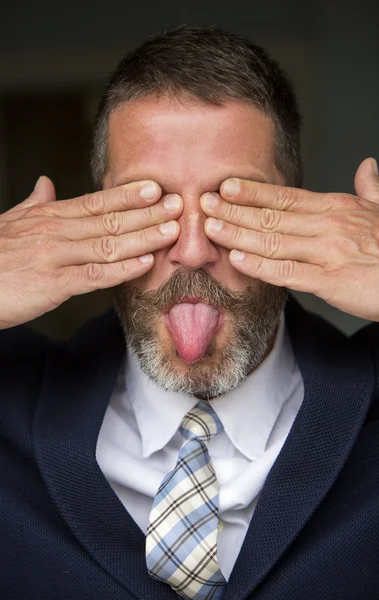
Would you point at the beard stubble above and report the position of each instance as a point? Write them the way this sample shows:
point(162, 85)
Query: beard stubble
point(252, 320)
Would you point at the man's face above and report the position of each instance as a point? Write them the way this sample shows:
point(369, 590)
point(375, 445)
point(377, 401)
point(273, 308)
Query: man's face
point(190, 148)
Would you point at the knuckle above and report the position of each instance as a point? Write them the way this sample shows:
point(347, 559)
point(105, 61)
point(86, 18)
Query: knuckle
point(232, 212)
point(94, 203)
point(344, 201)
point(238, 235)
point(253, 190)
point(126, 193)
point(335, 221)
point(272, 244)
point(269, 218)
point(287, 269)
point(148, 215)
point(111, 223)
point(335, 256)
point(331, 254)
point(143, 237)
point(94, 272)
point(45, 244)
point(338, 248)
point(285, 198)
point(108, 248)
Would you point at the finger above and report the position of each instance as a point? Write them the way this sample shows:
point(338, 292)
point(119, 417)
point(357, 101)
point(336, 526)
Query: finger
point(271, 245)
point(283, 273)
point(87, 278)
point(276, 197)
point(113, 223)
point(260, 219)
point(366, 180)
point(111, 248)
point(43, 192)
point(125, 197)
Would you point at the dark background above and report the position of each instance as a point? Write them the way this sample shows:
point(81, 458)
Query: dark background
point(55, 59)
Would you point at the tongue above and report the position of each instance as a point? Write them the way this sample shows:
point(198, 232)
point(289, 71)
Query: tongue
point(192, 327)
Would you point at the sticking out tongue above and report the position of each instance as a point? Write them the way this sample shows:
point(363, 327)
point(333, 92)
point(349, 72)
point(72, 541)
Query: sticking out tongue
point(192, 327)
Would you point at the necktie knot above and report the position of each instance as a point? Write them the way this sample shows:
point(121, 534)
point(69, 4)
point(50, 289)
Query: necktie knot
point(201, 422)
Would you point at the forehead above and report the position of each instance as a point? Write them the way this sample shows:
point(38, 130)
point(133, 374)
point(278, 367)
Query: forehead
point(186, 142)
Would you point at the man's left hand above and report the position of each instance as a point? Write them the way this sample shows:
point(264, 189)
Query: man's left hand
point(325, 244)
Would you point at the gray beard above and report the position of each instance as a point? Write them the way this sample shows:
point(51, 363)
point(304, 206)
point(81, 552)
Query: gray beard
point(254, 317)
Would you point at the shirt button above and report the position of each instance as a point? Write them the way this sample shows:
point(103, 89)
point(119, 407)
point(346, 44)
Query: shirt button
point(220, 526)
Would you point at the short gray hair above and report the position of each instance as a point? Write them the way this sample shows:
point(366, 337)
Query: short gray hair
point(214, 66)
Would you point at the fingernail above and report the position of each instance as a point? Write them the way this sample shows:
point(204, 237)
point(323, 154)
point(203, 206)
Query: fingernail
point(168, 228)
point(146, 258)
point(149, 191)
point(210, 200)
point(214, 225)
point(172, 202)
point(37, 185)
point(375, 166)
point(231, 187)
point(237, 256)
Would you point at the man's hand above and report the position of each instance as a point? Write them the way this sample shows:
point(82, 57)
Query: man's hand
point(50, 251)
point(326, 244)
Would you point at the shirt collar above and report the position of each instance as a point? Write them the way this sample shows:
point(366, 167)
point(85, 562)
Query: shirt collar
point(252, 406)
point(249, 411)
point(158, 413)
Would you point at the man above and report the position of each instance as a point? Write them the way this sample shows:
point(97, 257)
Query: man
point(230, 448)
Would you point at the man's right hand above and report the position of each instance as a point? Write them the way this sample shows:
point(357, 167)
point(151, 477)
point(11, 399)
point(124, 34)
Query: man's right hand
point(50, 251)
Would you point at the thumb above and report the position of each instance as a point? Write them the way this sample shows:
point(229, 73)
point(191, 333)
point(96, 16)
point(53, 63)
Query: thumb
point(44, 191)
point(366, 180)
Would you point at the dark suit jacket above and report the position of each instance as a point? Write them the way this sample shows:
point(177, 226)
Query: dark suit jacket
point(64, 535)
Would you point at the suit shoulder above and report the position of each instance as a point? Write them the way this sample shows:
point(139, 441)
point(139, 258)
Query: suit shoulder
point(23, 343)
point(23, 354)
point(368, 337)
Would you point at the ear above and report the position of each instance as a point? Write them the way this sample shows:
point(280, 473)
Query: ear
point(366, 180)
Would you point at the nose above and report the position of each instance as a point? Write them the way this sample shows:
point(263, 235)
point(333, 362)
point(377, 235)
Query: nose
point(193, 248)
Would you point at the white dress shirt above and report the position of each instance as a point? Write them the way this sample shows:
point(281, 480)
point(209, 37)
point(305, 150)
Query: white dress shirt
point(139, 440)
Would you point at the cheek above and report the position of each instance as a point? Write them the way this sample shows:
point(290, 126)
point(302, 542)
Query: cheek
point(233, 279)
point(158, 274)
point(224, 272)
point(142, 283)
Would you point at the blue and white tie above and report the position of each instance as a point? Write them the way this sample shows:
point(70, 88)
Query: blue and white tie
point(181, 541)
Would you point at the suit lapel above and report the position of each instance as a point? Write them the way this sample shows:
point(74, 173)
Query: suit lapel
point(76, 390)
point(338, 387)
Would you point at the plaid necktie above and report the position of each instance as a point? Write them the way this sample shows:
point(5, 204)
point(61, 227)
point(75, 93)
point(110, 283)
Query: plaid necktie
point(181, 542)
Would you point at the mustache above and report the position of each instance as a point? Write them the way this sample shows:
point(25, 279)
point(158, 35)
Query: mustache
point(187, 283)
